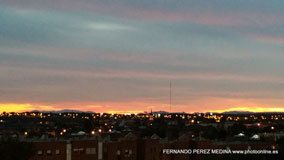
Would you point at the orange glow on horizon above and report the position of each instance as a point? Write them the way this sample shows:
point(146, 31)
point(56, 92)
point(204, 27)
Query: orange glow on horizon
point(125, 112)
point(250, 109)
point(13, 107)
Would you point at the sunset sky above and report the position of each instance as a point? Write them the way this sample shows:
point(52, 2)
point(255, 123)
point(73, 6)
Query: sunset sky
point(120, 55)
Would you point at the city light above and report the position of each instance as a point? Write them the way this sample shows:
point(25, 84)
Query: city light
point(272, 128)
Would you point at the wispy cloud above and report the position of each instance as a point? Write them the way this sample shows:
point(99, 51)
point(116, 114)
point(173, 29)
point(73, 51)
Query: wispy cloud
point(271, 39)
point(109, 27)
point(113, 55)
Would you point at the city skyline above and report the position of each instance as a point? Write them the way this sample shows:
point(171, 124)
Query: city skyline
point(120, 56)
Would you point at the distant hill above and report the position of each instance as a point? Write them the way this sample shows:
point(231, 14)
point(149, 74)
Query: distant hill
point(165, 112)
point(64, 111)
point(160, 112)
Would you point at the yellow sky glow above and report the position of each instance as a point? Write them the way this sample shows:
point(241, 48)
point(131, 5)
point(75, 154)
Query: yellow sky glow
point(12, 107)
point(251, 109)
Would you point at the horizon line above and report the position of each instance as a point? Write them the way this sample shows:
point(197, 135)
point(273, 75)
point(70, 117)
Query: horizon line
point(144, 112)
point(14, 107)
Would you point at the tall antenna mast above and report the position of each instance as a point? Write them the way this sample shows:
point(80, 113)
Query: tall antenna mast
point(170, 96)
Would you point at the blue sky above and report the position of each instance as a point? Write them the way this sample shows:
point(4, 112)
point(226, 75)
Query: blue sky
point(121, 55)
